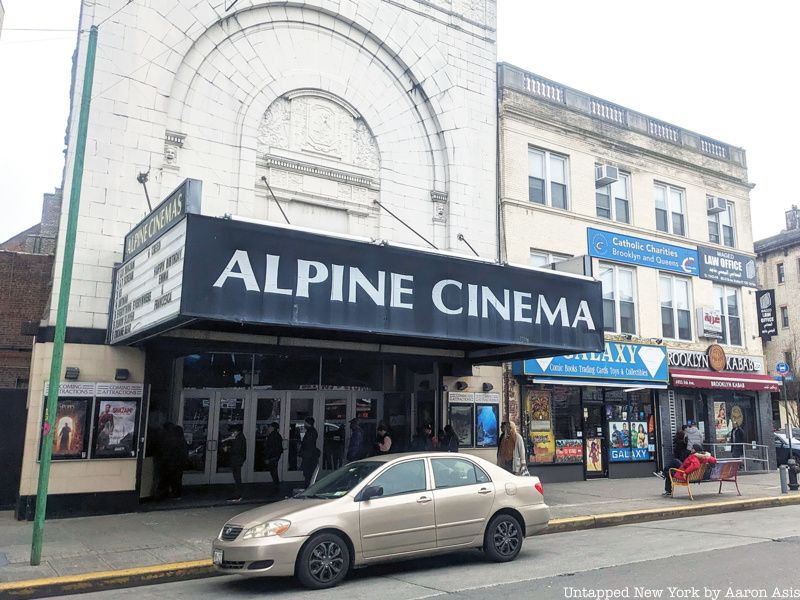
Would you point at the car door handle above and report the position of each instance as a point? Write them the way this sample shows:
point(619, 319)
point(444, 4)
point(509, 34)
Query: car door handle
point(423, 500)
point(484, 491)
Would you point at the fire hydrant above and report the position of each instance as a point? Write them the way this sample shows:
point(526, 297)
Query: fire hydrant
point(793, 470)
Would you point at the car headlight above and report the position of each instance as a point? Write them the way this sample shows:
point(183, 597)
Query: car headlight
point(267, 529)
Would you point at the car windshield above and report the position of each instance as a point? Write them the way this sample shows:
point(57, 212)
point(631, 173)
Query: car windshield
point(341, 481)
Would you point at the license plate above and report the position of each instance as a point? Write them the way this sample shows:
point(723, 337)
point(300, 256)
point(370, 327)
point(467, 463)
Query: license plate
point(217, 560)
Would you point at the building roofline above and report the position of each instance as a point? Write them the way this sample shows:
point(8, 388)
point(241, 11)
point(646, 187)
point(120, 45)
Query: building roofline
point(517, 79)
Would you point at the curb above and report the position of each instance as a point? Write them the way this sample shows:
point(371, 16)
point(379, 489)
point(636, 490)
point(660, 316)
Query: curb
point(105, 580)
point(198, 569)
point(661, 514)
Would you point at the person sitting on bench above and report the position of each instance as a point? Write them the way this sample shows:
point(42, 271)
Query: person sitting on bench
point(693, 462)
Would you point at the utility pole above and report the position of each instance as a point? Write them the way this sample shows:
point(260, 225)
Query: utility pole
point(48, 432)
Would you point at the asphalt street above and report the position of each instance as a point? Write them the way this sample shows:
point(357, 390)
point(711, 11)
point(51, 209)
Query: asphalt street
point(733, 555)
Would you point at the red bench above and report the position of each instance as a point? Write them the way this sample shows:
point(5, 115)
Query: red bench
point(722, 471)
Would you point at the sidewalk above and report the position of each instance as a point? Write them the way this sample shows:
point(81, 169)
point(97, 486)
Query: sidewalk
point(107, 543)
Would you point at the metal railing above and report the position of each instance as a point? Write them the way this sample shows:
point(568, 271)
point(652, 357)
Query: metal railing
point(754, 457)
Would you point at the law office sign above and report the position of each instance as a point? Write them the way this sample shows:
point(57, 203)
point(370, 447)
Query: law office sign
point(643, 252)
point(727, 267)
point(767, 320)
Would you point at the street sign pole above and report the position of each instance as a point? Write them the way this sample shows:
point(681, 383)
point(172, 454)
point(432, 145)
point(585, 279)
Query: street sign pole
point(48, 431)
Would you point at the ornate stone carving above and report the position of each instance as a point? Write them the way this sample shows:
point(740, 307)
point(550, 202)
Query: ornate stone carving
point(274, 128)
point(309, 135)
point(365, 151)
point(173, 140)
point(439, 200)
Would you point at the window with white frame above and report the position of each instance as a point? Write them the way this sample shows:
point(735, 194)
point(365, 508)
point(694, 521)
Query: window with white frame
point(547, 178)
point(729, 302)
point(676, 307)
point(722, 227)
point(619, 298)
point(614, 200)
point(670, 209)
point(785, 317)
point(543, 258)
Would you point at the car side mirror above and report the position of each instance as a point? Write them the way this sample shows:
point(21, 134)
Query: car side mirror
point(370, 492)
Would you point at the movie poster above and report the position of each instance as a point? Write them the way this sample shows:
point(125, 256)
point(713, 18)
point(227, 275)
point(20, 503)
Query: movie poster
point(71, 424)
point(115, 427)
point(569, 451)
point(543, 445)
point(461, 418)
point(538, 409)
point(594, 455)
point(71, 432)
point(486, 418)
point(721, 426)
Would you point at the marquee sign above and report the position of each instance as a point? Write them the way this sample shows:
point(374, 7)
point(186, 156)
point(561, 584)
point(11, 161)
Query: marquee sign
point(284, 278)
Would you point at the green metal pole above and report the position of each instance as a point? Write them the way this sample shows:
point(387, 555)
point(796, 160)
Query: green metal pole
point(63, 303)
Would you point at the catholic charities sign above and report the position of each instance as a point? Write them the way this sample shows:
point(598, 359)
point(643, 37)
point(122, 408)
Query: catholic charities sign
point(283, 277)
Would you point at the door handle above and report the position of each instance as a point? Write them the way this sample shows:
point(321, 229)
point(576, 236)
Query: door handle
point(484, 491)
point(423, 500)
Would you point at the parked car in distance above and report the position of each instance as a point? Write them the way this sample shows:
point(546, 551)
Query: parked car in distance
point(782, 448)
point(384, 508)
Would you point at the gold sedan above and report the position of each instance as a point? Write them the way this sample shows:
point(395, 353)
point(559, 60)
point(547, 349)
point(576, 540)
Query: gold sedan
point(385, 508)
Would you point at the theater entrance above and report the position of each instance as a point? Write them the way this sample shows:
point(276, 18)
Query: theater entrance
point(209, 416)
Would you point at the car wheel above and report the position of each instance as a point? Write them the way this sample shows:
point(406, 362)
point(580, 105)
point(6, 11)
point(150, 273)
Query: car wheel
point(503, 538)
point(323, 562)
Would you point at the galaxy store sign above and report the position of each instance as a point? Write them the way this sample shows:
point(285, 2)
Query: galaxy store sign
point(643, 252)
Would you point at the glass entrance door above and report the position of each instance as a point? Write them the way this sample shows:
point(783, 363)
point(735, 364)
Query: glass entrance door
point(594, 451)
point(208, 418)
point(337, 411)
point(300, 406)
point(268, 409)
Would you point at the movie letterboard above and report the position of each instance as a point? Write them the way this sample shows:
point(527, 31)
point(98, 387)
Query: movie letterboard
point(147, 288)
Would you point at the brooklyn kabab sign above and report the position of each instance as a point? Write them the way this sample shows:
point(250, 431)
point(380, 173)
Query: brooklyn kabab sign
point(263, 274)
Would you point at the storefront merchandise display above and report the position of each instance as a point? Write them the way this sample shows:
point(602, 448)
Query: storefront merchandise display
point(569, 451)
point(594, 455)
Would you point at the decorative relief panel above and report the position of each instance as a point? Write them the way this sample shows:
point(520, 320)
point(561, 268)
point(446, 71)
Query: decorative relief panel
point(310, 135)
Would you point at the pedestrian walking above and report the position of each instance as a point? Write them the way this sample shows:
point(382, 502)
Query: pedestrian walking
point(237, 452)
point(355, 447)
point(519, 465)
point(505, 448)
point(694, 435)
point(309, 453)
point(273, 449)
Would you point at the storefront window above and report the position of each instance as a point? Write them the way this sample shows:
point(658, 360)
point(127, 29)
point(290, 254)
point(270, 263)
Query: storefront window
point(734, 421)
point(552, 422)
point(217, 370)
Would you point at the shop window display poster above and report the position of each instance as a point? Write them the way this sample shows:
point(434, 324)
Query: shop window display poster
point(486, 418)
point(461, 418)
point(594, 455)
point(115, 428)
point(538, 409)
point(721, 426)
point(569, 451)
point(543, 446)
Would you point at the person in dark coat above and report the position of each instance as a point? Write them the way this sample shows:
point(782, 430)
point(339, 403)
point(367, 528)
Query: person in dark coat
point(164, 461)
point(450, 443)
point(422, 442)
point(237, 452)
point(383, 440)
point(355, 447)
point(309, 453)
point(273, 449)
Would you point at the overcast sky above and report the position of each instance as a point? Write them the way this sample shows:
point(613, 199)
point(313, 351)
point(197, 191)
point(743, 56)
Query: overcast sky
point(727, 69)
